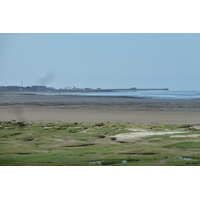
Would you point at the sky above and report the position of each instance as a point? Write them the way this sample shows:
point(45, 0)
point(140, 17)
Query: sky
point(105, 60)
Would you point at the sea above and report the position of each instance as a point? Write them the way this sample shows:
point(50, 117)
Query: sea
point(152, 94)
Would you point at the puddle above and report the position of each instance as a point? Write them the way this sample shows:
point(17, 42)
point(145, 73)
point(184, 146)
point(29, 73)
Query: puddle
point(95, 162)
point(182, 158)
point(189, 159)
point(99, 162)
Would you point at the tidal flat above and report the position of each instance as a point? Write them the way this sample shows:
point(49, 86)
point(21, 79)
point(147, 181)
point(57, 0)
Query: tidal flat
point(99, 144)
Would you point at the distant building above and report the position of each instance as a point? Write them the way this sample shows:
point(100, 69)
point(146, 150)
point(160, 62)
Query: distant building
point(70, 88)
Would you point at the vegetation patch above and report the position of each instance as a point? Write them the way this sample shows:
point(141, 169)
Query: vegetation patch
point(122, 142)
point(73, 144)
point(185, 145)
point(101, 136)
point(23, 153)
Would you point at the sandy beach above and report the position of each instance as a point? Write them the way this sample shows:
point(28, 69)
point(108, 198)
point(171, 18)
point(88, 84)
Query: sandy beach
point(89, 116)
point(88, 110)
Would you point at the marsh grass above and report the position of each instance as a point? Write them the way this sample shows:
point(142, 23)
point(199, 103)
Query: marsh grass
point(185, 145)
point(73, 144)
point(113, 138)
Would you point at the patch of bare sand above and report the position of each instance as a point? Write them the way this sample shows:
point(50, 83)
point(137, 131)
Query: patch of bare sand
point(139, 133)
point(183, 136)
point(196, 127)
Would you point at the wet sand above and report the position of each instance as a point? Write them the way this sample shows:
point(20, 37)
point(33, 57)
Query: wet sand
point(42, 109)
point(89, 116)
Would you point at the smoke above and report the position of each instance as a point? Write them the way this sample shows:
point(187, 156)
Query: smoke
point(47, 79)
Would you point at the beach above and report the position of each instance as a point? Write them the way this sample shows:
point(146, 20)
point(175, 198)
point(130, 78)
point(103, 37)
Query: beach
point(90, 116)
point(88, 109)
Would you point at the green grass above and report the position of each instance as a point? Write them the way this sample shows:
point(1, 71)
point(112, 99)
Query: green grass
point(73, 144)
point(185, 145)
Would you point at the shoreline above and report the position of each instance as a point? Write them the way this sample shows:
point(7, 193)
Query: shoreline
point(99, 102)
point(97, 109)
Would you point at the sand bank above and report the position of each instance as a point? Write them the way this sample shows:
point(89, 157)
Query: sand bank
point(89, 116)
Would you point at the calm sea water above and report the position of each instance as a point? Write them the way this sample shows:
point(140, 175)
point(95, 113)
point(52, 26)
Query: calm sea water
point(165, 94)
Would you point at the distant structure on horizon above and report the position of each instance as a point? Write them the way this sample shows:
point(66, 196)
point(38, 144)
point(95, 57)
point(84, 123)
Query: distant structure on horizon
point(37, 88)
point(70, 88)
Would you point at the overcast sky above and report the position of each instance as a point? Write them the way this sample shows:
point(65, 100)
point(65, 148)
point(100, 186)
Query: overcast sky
point(107, 60)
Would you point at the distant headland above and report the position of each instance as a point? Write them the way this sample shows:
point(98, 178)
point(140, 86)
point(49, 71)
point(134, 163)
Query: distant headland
point(37, 88)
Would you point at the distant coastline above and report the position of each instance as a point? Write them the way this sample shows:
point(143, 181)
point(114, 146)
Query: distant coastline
point(37, 88)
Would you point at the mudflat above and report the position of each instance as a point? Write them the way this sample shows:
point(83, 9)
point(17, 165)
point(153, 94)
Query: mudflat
point(89, 109)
